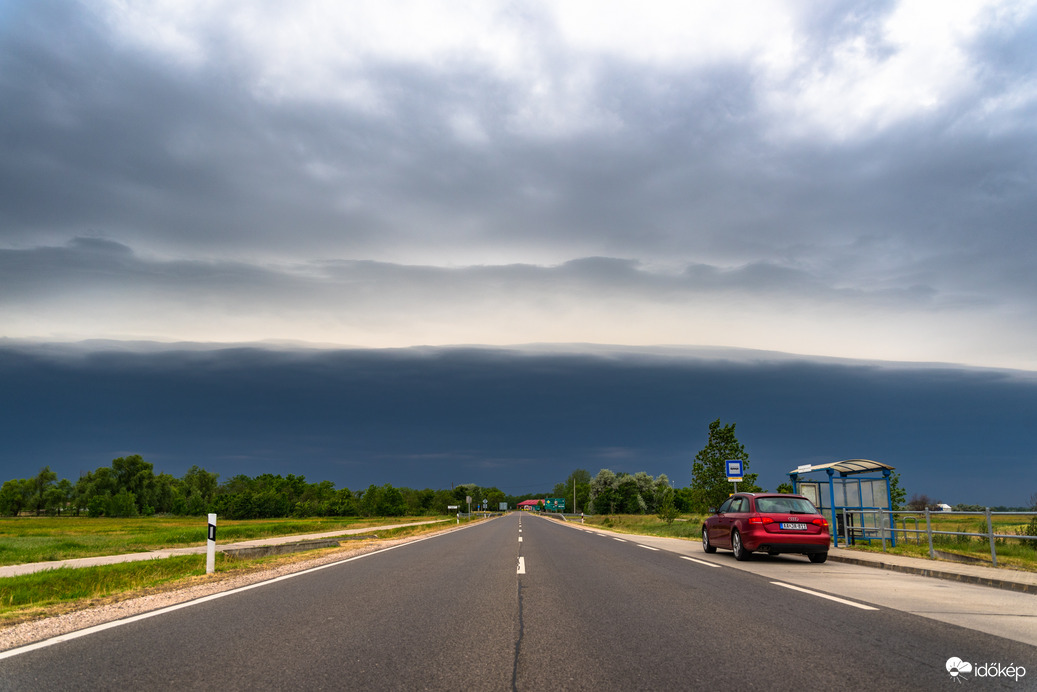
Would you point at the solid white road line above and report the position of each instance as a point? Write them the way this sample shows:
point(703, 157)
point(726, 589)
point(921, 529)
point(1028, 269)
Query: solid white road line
point(699, 562)
point(824, 595)
point(521, 566)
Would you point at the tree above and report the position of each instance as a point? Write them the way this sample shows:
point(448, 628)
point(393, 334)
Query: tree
point(43, 482)
point(709, 483)
point(785, 488)
point(581, 479)
point(897, 495)
point(603, 497)
point(667, 510)
point(921, 502)
point(136, 477)
point(14, 496)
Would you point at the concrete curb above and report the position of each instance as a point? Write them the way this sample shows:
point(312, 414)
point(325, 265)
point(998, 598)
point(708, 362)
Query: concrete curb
point(939, 574)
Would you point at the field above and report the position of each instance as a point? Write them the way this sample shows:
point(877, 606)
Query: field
point(1017, 553)
point(51, 592)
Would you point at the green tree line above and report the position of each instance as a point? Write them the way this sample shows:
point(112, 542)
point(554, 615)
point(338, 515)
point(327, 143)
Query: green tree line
point(130, 487)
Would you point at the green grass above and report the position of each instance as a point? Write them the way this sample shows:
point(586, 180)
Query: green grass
point(64, 584)
point(1016, 553)
point(44, 539)
point(688, 526)
point(54, 591)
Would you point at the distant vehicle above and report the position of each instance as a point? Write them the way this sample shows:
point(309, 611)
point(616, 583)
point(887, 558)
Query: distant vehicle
point(943, 508)
point(767, 522)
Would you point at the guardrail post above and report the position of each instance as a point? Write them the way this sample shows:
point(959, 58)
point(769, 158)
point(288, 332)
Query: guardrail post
point(990, 533)
point(210, 553)
point(929, 532)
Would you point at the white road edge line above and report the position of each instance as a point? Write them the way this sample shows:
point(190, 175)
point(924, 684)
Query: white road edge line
point(187, 604)
point(699, 562)
point(646, 547)
point(824, 595)
point(521, 566)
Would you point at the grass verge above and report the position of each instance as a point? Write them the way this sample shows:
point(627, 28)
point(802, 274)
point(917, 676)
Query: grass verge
point(689, 526)
point(44, 539)
point(58, 591)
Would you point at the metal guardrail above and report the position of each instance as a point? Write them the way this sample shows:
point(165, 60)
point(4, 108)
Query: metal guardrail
point(885, 521)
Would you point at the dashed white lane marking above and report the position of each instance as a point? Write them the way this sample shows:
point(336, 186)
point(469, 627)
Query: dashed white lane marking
point(520, 539)
point(699, 562)
point(619, 539)
point(521, 566)
point(646, 547)
point(824, 595)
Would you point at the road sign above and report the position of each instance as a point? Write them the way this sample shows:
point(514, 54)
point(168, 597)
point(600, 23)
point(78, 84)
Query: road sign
point(452, 507)
point(734, 470)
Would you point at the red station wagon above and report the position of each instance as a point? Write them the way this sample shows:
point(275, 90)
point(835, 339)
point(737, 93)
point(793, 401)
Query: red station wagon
point(767, 522)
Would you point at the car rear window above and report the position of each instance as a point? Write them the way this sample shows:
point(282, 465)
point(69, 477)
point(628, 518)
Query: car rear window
point(784, 505)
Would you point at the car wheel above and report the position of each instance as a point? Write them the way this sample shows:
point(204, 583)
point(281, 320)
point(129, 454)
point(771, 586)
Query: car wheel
point(818, 558)
point(706, 547)
point(736, 545)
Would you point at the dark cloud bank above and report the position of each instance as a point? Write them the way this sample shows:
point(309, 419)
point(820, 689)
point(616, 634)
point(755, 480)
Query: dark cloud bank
point(518, 419)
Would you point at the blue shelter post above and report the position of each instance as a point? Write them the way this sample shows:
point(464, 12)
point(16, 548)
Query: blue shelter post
point(835, 520)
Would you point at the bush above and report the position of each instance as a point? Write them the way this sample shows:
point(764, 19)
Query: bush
point(1031, 530)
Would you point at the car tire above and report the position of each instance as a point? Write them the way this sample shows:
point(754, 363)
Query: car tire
point(818, 558)
point(736, 545)
point(706, 546)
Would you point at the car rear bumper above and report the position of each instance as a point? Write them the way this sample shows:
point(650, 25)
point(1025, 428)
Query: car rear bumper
point(786, 543)
point(773, 547)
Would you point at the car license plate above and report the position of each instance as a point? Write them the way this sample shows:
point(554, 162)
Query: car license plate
point(793, 527)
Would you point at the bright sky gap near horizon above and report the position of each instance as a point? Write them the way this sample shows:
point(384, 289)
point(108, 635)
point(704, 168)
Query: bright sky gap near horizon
point(612, 181)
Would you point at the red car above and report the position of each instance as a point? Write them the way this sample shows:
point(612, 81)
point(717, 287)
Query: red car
point(768, 522)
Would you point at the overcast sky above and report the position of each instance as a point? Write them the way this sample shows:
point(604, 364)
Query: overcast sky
point(852, 180)
point(825, 178)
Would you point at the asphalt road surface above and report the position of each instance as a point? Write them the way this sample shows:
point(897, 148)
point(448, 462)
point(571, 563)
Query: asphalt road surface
point(523, 603)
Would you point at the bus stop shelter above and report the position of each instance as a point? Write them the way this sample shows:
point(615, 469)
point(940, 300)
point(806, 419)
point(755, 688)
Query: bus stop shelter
point(853, 494)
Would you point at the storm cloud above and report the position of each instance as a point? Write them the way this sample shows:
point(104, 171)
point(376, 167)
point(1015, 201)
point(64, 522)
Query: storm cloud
point(831, 180)
point(520, 420)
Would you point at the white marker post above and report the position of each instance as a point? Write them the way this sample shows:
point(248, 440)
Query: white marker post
point(210, 554)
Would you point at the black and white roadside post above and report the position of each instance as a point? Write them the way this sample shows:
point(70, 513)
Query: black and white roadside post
point(210, 553)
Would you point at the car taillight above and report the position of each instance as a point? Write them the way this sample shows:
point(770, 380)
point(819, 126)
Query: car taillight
point(820, 521)
point(760, 520)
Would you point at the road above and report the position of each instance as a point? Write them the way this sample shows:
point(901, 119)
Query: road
point(523, 603)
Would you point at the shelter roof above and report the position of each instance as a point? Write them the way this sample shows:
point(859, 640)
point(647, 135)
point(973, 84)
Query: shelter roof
point(847, 467)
